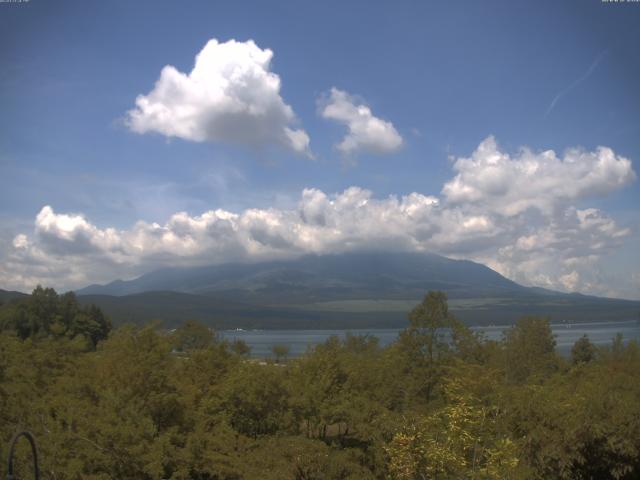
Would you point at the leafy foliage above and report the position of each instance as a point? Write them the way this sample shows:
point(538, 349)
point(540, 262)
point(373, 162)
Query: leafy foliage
point(583, 351)
point(45, 313)
point(439, 403)
point(529, 348)
point(192, 335)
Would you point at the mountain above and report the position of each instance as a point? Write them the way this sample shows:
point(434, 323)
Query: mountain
point(362, 290)
point(315, 278)
point(172, 308)
point(7, 295)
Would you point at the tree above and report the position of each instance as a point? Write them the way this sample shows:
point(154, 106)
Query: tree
point(240, 347)
point(280, 351)
point(426, 341)
point(460, 440)
point(530, 349)
point(192, 335)
point(256, 400)
point(583, 351)
point(46, 314)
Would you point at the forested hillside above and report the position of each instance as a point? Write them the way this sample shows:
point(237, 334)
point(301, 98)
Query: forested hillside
point(441, 402)
point(348, 290)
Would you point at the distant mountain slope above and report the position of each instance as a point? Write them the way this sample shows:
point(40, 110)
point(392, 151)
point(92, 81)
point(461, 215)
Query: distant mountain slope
point(323, 278)
point(6, 295)
point(338, 291)
point(172, 308)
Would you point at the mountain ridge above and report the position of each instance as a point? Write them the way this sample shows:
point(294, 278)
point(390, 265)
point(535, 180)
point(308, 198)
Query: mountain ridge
point(342, 275)
point(351, 290)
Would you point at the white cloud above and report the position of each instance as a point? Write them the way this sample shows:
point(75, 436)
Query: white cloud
point(20, 242)
point(510, 185)
point(230, 96)
point(562, 251)
point(366, 132)
point(542, 241)
point(570, 281)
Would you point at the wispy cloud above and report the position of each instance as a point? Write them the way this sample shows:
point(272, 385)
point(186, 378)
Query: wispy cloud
point(576, 82)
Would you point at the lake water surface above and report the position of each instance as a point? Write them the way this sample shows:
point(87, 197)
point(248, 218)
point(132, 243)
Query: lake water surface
point(299, 341)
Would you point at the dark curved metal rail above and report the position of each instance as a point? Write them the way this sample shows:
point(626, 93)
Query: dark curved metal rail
point(34, 450)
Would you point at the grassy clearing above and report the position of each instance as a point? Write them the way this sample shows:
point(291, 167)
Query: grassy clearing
point(387, 305)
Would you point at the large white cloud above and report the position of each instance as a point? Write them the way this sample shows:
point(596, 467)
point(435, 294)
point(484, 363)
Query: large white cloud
point(510, 185)
point(366, 132)
point(230, 96)
point(562, 251)
point(542, 241)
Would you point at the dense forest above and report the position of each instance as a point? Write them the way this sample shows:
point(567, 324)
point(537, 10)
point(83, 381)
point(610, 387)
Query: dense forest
point(441, 402)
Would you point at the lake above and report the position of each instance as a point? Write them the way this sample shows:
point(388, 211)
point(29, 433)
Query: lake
point(299, 341)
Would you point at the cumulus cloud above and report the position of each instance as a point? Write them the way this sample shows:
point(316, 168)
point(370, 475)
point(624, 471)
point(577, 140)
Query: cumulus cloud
point(230, 96)
point(510, 185)
point(543, 240)
point(366, 132)
point(562, 251)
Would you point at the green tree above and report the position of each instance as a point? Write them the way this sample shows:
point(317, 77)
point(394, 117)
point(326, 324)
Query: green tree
point(240, 347)
point(192, 335)
point(583, 351)
point(426, 342)
point(45, 313)
point(280, 352)
point(256, 400)
point(529, 348)
point(318, 385)
point(460, 440)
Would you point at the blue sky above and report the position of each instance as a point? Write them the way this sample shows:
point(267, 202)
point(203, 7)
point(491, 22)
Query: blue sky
point(441, 77)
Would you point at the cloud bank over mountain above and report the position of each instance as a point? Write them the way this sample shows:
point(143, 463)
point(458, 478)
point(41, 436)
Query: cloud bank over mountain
point(515, 213)
point(231, 95)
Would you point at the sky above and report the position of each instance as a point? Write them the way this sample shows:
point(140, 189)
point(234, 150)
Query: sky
point(139, 135)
